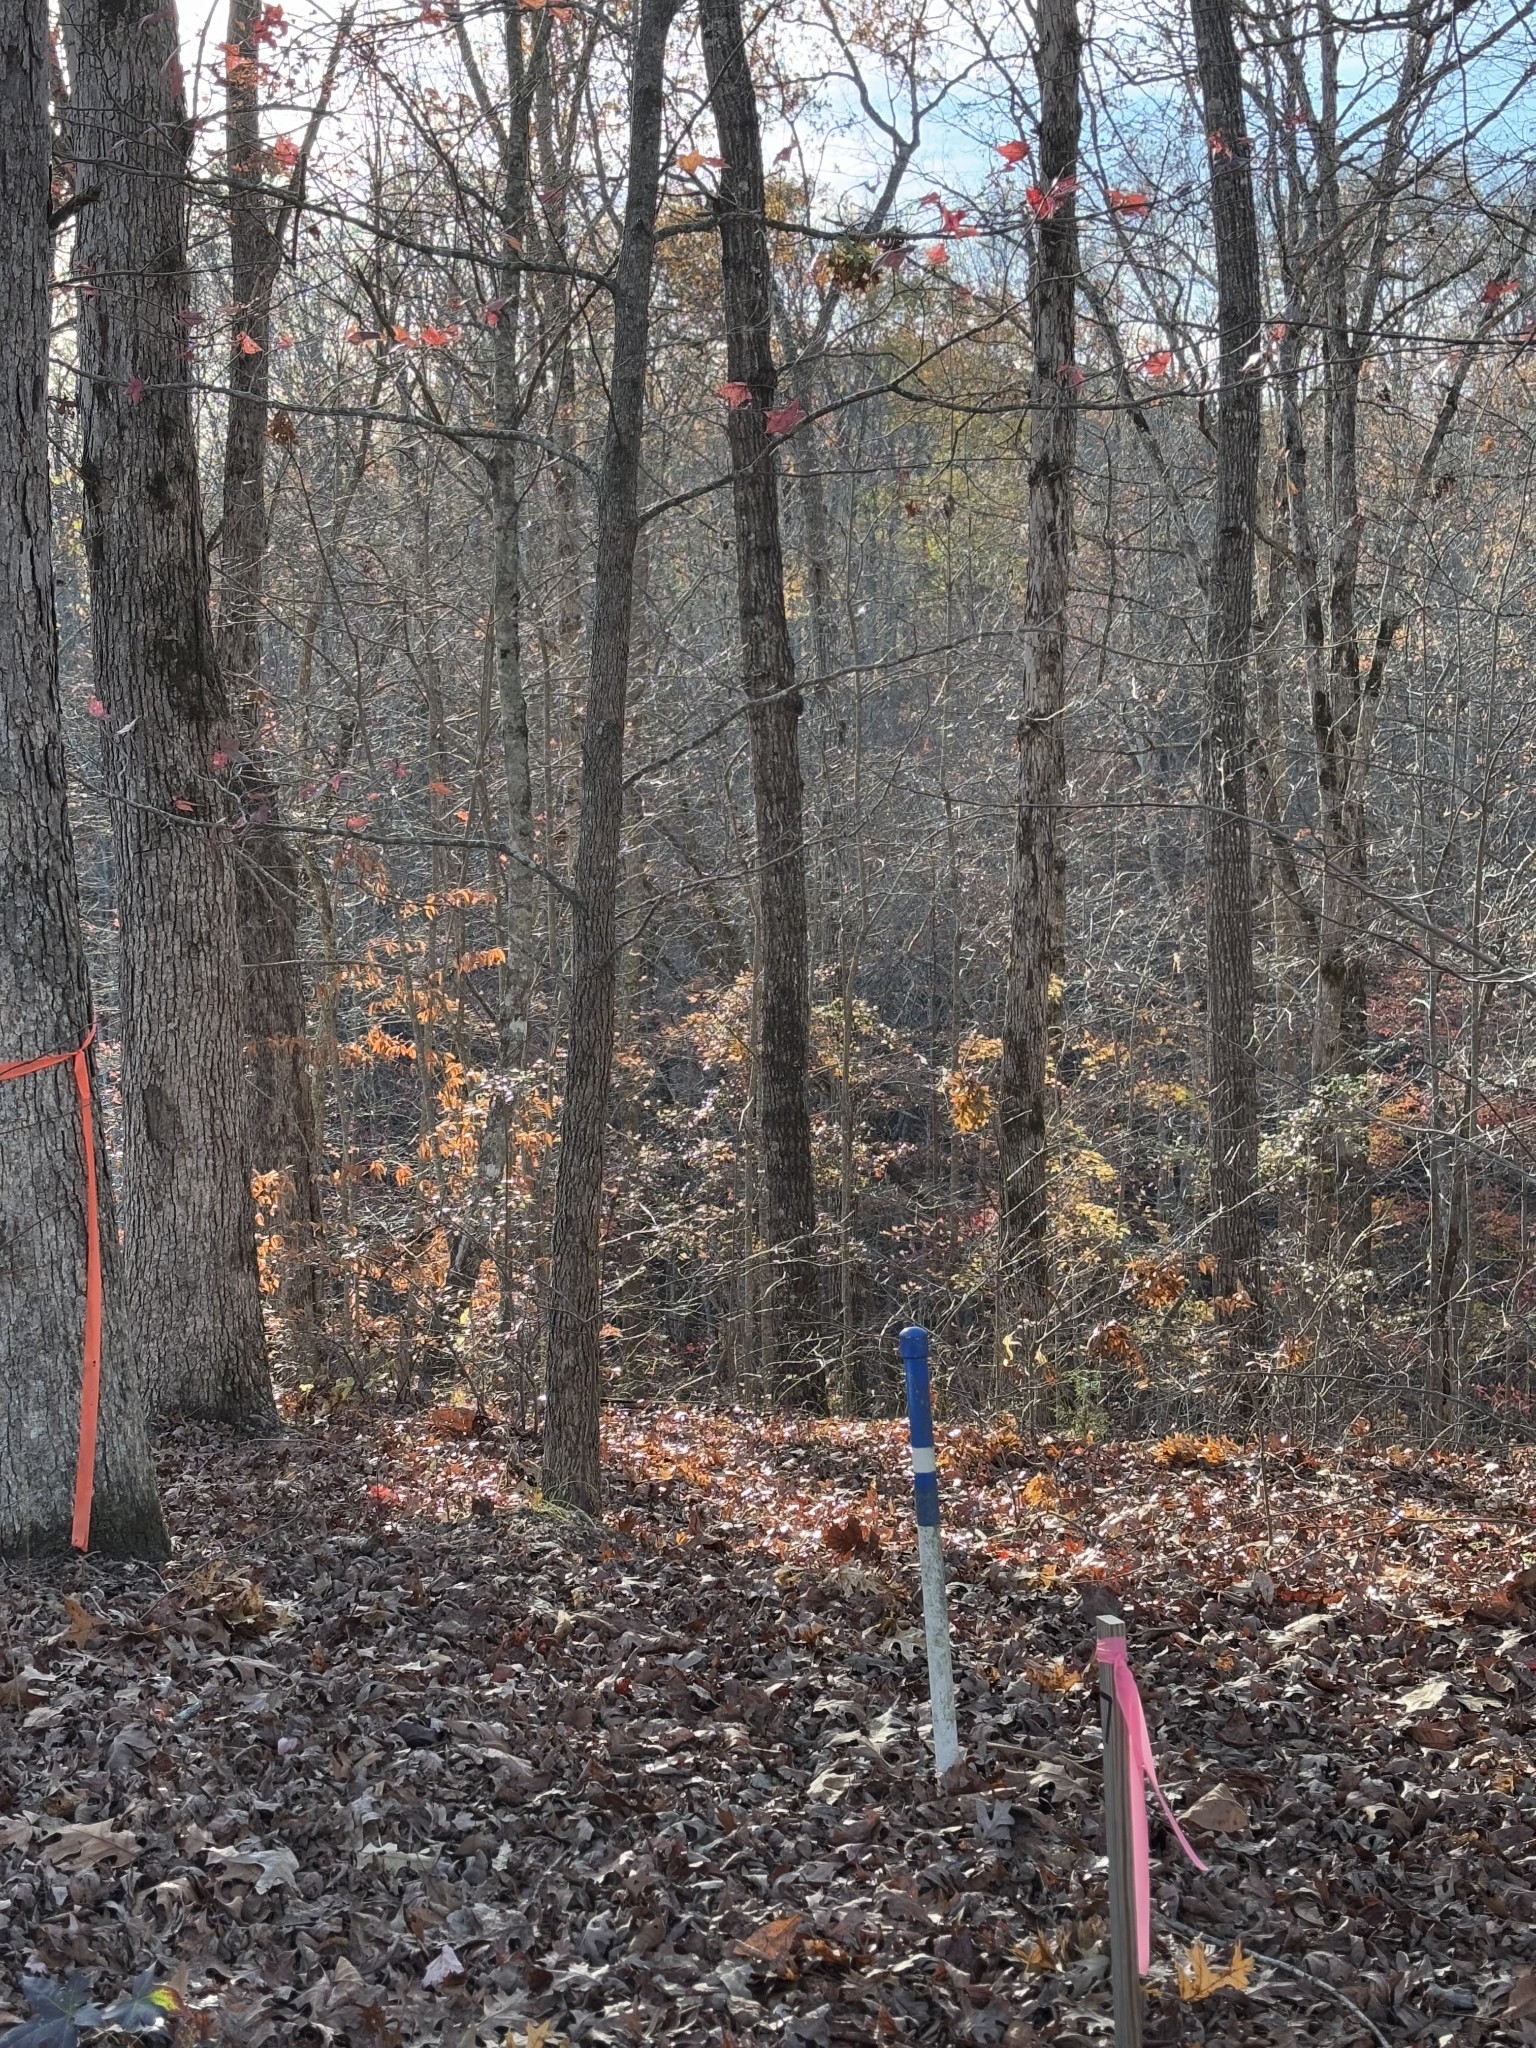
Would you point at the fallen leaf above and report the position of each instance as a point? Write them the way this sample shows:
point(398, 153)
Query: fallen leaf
point(1426, 1697)
point(444, 1968)
point(771, 1947)
point(88, 1844)
point(83, 1625)
point(265, 1869)
point(1197, 1978)
point(1218, 1812)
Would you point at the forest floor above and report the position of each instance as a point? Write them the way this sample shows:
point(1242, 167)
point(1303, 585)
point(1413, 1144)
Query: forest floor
point(390, 1755)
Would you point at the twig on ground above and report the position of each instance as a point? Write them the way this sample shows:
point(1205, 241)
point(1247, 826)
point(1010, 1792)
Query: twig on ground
point(1293, 1970)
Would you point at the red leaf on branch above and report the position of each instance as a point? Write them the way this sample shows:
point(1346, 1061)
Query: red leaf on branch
point(135, 387)
point(1013, 152)
point(1130, 205)
point(1498, 288)
point(736, 394)
point(936, 256)
point(1045, 205)
point(1157, 364)
point(784, 419)
point(247, 344)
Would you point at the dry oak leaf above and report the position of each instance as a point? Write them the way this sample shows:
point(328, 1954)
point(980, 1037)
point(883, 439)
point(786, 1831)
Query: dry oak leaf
point(88, 1844)
point(1197, 1977)
point(452, 1419)
point(1424, 1698)
point(851, 1539)
point(1522, 1998)
point(266, 1869)
point(771, 1947)
point(1218, 1812)
point(24, 1690)
point(444, 1968)
point(82, 1623)
point(1509, 1602)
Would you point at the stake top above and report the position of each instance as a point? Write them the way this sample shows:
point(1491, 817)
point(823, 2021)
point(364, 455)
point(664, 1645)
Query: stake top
point(1110, 1625)
point(914, 1345)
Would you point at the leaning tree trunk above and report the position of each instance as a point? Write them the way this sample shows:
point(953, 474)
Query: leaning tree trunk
point(1234, 1090)
point(45, 992)
point(1034, 929)
point(267, 876)
point(788, 1208)
point(188, 1237)
point(571, 1464)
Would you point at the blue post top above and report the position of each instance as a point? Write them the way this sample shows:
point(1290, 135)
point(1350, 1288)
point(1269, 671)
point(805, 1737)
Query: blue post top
point(914, 1363)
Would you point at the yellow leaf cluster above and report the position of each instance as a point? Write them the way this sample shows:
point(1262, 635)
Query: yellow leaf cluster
point(970, 1101)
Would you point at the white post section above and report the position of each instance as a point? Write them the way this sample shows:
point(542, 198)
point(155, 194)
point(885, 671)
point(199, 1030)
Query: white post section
point(930, 1550)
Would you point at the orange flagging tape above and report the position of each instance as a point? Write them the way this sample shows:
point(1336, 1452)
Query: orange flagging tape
point(90, 1380)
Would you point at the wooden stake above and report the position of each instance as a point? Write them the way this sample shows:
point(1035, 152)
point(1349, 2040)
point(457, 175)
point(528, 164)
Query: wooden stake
point(1125, 1976)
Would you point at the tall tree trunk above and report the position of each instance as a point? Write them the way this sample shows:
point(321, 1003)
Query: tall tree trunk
point(188, 1233)
point(773, 721)
point(1234, 1093)
point(572, 1420)
point(1034, 930)
point(267, 875)
point(45, 993)
point(485, 1205)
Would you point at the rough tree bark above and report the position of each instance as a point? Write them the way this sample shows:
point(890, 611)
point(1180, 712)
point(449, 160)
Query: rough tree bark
point(1034, 926)
point(188, 1236)
point(572, 1420)
point(485, 1203)
point(1234, 1089)
point(788, 1209)
point(267, 873)
point(1335, 263)
point(45, 994)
